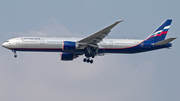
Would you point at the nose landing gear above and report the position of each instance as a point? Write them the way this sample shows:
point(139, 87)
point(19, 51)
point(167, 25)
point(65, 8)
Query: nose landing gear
point(15, 55)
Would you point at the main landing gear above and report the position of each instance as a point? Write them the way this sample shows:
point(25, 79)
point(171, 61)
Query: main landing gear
point(15, 55)
point(88, 60)
point(90, 52)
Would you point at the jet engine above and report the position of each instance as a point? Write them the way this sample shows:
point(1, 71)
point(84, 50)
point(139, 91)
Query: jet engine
point(69, 45)
point(67, 56)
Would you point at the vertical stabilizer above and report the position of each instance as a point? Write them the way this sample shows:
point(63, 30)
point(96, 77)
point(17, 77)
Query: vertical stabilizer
point(160, 33)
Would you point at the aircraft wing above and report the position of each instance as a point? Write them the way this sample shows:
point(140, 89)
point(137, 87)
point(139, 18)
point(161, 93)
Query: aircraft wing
point(99, 36)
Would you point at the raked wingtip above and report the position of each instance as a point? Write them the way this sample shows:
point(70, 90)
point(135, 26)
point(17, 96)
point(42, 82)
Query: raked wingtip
point(119, 21)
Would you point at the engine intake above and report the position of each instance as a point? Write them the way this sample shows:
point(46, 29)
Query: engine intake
point(67, 56)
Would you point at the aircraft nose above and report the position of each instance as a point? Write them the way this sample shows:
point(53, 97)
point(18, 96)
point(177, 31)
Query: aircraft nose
point(4, 45)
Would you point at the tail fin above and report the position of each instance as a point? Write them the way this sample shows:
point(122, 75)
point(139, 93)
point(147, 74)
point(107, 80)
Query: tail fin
point(160, 33)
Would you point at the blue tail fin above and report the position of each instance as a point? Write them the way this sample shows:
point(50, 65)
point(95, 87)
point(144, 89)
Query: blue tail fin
point(160, 33)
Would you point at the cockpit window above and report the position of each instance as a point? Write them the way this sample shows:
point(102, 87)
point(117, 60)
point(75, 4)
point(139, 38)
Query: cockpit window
point(6, 41)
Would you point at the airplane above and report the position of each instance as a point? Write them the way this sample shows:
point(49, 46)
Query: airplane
point(93, 45)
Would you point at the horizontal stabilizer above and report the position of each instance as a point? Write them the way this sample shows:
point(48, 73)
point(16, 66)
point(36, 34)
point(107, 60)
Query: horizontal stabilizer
point(164, 42)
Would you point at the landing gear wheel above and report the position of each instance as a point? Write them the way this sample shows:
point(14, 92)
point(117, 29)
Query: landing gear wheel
point(91, 61)
point(88, 60)
point(15, 56)
point(84, 60)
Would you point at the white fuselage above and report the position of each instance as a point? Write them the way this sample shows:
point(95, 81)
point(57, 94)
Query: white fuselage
point(57, 43)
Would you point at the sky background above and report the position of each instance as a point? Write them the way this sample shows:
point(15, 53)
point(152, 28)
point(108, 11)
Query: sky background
point(33, 76)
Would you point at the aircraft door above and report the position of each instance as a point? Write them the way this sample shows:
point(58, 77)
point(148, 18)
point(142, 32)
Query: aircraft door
point(42, 41)
point(110, 43)
point(17, 41)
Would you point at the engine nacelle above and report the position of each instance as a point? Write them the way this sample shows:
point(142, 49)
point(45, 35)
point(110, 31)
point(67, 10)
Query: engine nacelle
point(67, 56)
point(69, 45)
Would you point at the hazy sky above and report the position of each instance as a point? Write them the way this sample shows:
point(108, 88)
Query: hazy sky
point(33, 76)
